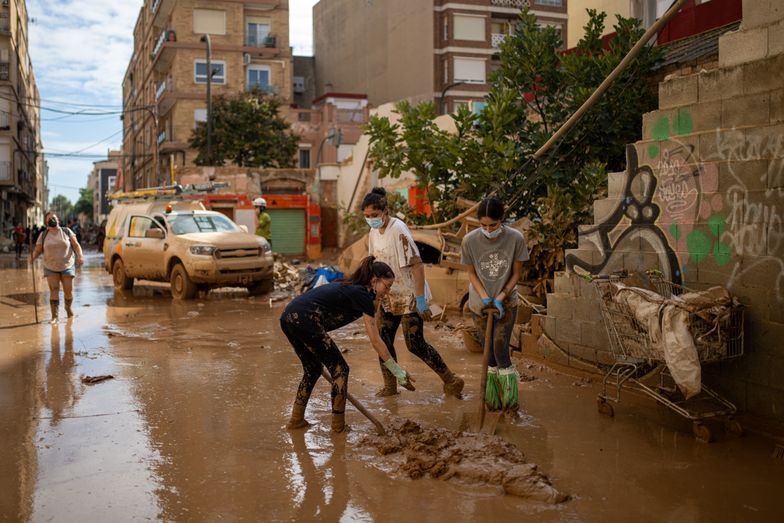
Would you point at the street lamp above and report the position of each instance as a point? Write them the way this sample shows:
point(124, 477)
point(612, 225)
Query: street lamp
point(206, 40)
point(443, 94)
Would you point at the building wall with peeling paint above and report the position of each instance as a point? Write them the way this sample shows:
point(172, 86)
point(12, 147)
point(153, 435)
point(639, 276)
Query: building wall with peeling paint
point(701, 200)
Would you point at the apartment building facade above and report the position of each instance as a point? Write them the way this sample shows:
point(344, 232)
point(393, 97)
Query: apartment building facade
point(436, 50)
point(23, 195)
point(102, 181)
point(164, 88)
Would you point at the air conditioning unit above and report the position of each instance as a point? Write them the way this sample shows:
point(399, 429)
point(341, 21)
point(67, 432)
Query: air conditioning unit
point(246, 58)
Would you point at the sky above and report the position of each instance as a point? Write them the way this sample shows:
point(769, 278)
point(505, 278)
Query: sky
point(79, 63)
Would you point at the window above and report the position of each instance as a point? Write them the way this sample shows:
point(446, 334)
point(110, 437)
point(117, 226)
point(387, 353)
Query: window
point(469, 28)
point(470, 70)
point(550, 3)
point(461, 103)
point(478, 106)
point(304, 158)
point(139, 226)
point(218, 72)
point(299, 84)
point(209, 21)
point(199, 115)
point(259, 77)
point(212, 222)
point(257, 32)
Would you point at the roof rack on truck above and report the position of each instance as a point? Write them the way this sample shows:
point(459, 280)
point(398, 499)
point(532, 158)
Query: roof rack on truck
point(167, 191)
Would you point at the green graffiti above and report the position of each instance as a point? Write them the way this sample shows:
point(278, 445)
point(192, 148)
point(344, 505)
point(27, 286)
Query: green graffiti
point(653, 151)
point(675, 231)
point(722, 253)
point(661, 131)
point(699, 245)
point(683, 123)
point(717, 225)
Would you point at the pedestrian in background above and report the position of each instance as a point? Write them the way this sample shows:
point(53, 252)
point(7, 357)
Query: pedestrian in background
point(406, 303)
point(62, 253)
point(264, 221)
point(19, 239)
point(495, 254)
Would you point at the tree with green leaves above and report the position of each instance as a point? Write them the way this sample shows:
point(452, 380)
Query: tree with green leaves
point(533, 92)
point(85, 203)
point(248, 132)
point(62, 206)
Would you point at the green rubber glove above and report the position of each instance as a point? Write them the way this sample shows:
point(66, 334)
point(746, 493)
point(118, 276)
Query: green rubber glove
point(492, 390)
point(405, 380)
point(508, 380)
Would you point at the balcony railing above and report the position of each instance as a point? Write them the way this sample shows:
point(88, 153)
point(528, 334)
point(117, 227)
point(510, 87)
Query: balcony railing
point(350, 116)
point(162, 88)
point(5, 172)
point(161, 137)
point(159, 43)
point(155, 5)
point(5, 120)
point(270, 41)
point(266, 89)
point(511, 3)
point(496, 39)
point(4, 71)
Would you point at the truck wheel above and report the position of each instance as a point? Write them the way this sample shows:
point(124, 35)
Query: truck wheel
point(121, 280)
point(261, 287)
point(182, 287)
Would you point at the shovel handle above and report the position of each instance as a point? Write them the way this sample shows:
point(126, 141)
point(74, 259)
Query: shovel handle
point(491, 314)
point(361, 408)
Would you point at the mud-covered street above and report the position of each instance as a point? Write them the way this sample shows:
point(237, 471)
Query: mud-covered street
point(191, 427)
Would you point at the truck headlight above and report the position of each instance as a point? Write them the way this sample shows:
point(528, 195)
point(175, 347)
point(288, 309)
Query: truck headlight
point(265, 246)
point(203, 250)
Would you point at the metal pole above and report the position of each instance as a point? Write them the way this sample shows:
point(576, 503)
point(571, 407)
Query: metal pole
point(206, 39)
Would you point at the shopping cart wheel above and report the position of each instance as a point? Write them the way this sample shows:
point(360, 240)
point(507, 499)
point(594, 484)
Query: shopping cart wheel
point(733, 426)
point(701, 432)
point(605, 408)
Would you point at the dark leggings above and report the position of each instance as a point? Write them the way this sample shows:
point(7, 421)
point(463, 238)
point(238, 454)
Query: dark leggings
point(315, 348)
point(502, 334)
point(413, 334)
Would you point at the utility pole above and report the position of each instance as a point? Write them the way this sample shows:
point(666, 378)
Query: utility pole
point(206, 40)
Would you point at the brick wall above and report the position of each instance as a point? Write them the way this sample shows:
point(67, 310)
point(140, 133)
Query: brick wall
point(701, 200)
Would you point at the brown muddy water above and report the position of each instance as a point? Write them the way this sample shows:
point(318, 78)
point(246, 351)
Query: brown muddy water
point(191, 428)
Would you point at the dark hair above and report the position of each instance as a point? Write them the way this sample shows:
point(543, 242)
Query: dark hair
point(492, 208)
point(377, 198)
point(367, 270)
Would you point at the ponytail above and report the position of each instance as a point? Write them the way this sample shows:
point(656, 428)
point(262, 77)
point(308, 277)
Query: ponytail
point(368, 269)
point(377, 198)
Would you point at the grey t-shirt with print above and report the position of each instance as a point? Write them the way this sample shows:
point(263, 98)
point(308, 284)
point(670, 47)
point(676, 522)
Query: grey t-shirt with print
point(493, 261)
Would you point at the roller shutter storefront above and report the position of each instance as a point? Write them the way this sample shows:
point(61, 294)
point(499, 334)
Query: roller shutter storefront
point(288, 230)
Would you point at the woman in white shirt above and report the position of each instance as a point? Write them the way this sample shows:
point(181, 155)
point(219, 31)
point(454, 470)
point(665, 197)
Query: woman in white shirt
point(62, 253)
point(390, 241)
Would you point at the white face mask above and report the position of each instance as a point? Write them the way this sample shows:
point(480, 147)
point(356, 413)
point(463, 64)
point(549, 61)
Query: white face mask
point(493, 234)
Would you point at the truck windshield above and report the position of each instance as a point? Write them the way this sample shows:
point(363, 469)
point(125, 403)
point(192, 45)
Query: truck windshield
point(188, 223)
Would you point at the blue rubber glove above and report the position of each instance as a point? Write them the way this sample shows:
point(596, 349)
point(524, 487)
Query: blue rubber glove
point(487, 301)
point(500, 306)
point(421, 304)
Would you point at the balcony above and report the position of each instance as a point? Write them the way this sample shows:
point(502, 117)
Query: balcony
point(266, 89)
point(496, 39)
point(162, 137)
point(268, 41)
point(517, 4)
point(5, 121)
point(351, 116)
point(6, 175)
point(162, 53)
point(164, 95)
point(5, 24)
point(161, 9)
point(4, 70)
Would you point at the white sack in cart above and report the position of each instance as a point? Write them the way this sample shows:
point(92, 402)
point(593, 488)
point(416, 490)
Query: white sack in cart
point(667, 323)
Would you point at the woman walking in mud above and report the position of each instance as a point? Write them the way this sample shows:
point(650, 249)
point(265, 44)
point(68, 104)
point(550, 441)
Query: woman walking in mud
point(407, 301)
point(310, 316)
point(62, 253)
point(495, 254)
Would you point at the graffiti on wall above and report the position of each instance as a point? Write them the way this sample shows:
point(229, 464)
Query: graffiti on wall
point(671, 205)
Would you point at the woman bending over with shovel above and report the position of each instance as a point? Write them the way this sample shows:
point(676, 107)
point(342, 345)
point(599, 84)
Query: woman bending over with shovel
point(495, 254)
point(310, 316)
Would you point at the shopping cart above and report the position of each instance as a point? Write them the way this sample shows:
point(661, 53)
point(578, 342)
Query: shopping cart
point(638, 363)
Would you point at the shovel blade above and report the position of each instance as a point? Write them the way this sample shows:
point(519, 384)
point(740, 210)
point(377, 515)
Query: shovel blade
point(469, 422)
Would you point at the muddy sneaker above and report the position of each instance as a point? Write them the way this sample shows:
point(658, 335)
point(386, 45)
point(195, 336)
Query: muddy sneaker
point(453, 386)
point(386, 391)
point(297, 420)
point(297, 424)
point(390, 384)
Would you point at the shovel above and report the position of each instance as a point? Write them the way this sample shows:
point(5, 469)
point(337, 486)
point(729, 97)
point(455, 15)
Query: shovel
point(358, 405)
point(485, 422)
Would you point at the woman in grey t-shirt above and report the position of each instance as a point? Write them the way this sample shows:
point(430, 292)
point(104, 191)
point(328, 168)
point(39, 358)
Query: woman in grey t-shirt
point(62, 253)
point(495, 254)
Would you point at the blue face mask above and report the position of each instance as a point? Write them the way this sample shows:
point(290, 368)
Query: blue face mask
point(494, 234)
point(375, 223)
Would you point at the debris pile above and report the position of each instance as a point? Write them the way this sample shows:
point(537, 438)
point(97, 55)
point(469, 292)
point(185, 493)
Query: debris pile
point(287, 277)
point(463, 456)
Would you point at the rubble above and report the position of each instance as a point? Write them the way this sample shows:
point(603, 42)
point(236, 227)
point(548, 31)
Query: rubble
point(287, 277)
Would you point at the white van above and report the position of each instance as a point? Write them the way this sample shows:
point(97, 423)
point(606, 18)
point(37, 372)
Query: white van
point(182, 243)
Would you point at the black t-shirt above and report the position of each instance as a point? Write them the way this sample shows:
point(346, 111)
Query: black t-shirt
point(336, 304)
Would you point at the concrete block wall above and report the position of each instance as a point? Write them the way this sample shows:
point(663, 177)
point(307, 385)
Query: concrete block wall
point(702, 200)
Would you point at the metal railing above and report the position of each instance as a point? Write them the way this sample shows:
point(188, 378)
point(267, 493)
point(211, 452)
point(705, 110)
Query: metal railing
point(4, 71)
point(163, 87)
point(161, 137)
point(155, 5)
point(496, 39)
point(252, 40)
point(511, 3)
point(159, 43)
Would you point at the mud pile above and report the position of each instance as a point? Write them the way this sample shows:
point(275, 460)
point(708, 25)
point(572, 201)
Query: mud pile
point(466, 457)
